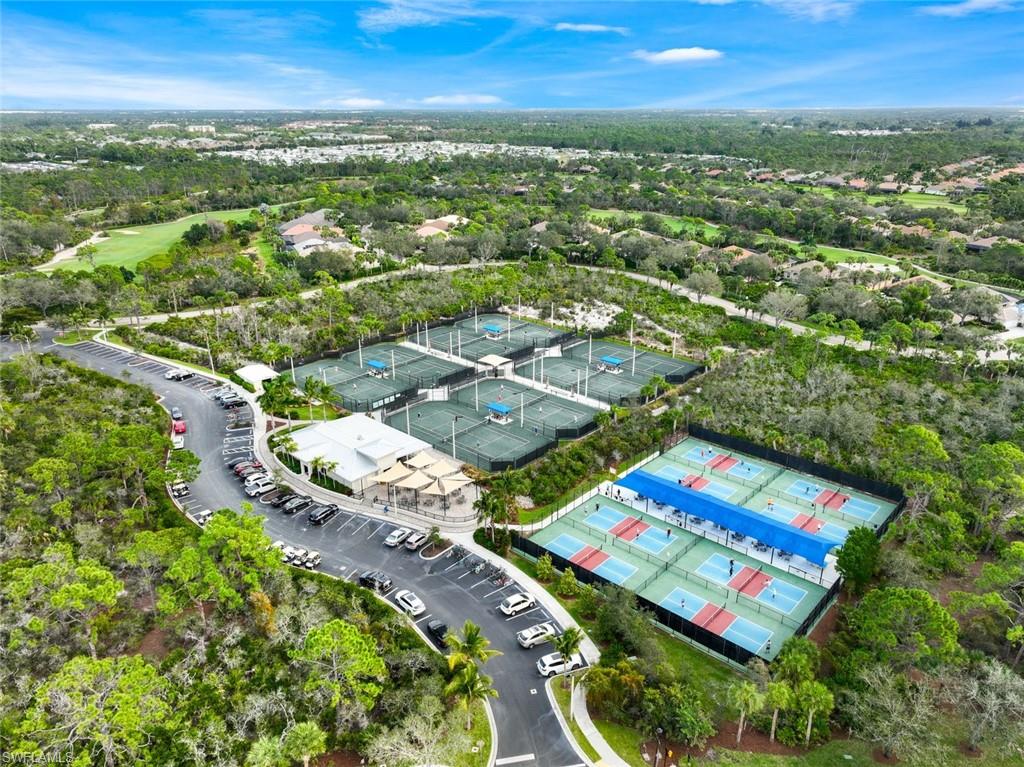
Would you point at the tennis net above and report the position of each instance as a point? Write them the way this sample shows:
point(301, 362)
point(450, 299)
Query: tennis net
point(591, 555)
point(714, 615)
point(746, 583)
point(459, 432)
point(635, 523)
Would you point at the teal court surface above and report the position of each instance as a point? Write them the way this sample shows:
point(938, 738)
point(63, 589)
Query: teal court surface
point(477, 440)
point(405, 366)
point(639, 362)
point(726, 592)
point(804, 501)
point(355, 388)
point(476, 337)
point(539, 412)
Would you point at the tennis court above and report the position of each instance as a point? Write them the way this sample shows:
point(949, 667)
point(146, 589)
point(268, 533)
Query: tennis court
point(477, 440)
point(355, 388)
point(474, 338)
point(722, 621)
point(404, 365)
point(827, 509)
point(577, 376)
point(629, 528)
point(579, 553)
point(639, 362)
point(753, 582)
point(674, 473)
point(530, 407)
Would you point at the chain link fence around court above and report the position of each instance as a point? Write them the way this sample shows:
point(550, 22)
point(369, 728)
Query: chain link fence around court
point(563, 418)
point(477, 440)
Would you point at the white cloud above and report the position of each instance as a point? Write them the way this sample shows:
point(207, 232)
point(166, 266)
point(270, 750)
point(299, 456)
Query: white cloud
point(397, 14)
point(260, 25)
point(677, 55)
point(564, 26)
point(815, 10)
point(461, 99)
point(967, 7)
point(354, 102)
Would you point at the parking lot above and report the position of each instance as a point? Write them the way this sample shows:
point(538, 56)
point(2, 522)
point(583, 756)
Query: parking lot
point(528, 730)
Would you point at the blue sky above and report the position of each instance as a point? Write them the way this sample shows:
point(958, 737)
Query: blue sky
point(444, 54)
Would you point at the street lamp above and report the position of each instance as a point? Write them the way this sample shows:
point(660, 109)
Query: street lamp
point(657, 754)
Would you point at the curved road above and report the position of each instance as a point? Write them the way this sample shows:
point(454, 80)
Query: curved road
point(528, 730)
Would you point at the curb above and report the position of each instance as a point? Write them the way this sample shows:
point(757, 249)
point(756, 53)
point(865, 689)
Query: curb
point(564, 724)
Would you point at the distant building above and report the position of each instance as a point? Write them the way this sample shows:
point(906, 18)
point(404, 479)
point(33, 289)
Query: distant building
point(986, 243)
point(200, 129)
point(161, 126)
point(833, 182)
point(859, 184)
point(888, 187)
point(316, 218)
point(101, 126)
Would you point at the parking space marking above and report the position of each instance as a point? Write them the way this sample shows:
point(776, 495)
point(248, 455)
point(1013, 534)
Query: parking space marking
point(228, 440)
point(235, 450)
point(496, 591)
point(463, 575)
point(478, 583)
point(375, 531)
point(520, 615)
point(515, 759)
point(451, 567)
point(423, 618)
point(365, 523)
point(348, 519)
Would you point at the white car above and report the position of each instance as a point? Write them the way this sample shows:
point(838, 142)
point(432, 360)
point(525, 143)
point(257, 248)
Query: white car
point(535, 635)
point(177, 442)
point(287, 553)
point(298, 557)
point(279, 545)
point(252, 479)
point(516, 603)
point(313, 559)
point(397, 537)
point(414, 541)
point(261, 487)
point(410, 603)
point(178, 374)
point(556, 664)
point(203, 517)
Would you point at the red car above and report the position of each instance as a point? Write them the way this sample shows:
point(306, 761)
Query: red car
point(179, 427)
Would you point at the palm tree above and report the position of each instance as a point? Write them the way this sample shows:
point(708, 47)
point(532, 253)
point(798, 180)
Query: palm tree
point(472, 646)
point(814, 698)
point(310, 393)
point(567, 644)
point(304, 740)
point(747, 700)
point(470, 686)
point(266, 752)
point(778, 696)
point(489, 508)
point(325, 393)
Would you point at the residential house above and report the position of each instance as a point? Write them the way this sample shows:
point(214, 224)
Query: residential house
point(986, 243)
point(832, 182)
point(860, 184)
point(888, 187)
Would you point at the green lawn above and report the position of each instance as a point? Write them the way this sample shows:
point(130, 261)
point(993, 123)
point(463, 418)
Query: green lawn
point(75, 336)
point(129, 245)
point(913, 199)
point(673, 224)
point(480, 736)
point(841, 255)
point(562, 696)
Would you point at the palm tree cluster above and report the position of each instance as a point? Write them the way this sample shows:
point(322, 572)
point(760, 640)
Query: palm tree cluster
point(468, 685)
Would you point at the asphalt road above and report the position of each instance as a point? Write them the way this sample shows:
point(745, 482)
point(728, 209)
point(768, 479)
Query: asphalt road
point(528, 730)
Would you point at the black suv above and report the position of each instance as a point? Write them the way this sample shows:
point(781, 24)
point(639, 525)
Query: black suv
point(438, 630)
point(321, 515)
point(375, 580)
point(297, 504)
point(230, 404)
point(282, 499)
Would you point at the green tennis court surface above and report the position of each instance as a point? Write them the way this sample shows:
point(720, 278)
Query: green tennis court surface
point(477, 440)
point(639, 362)
point(554, 416)
point(404, 365)
point(476, 337)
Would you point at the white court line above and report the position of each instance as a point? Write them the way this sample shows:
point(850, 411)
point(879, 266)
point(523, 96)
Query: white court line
point(479, 582)
point(376, 531)
point(365, 523)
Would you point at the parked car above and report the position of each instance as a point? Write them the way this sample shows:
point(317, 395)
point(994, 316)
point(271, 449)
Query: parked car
point(237, 462)
point(299, 501)
point(249, 471)
point(323, 514)
point(375, 580)
point(313, 560)
point(279, 545)
point(284, 498)
point(415, 540)
point(179, 427)
point(410, 603)
point(223, 393)
point(535, 635)
point(556, 664)
point(176, 413)
point(247, 464)
point(287, 553)
point(178, 374)
point(231, 404)
point(177, 441)
point(261, 487)
point(397, 537)
point(203, 517)
point(180, 490)
point(438, 630)
point(252, 479)
point(516, 603)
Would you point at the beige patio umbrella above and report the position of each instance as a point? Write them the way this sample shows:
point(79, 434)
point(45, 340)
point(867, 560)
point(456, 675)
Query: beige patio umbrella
point(434, 488)
point(449, 485)
point(414, 481)
point(395, 473)
point(442, 468)
point(421, 460)
point(459, 477)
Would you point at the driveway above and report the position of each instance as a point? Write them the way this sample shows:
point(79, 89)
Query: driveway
point(529, 732)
